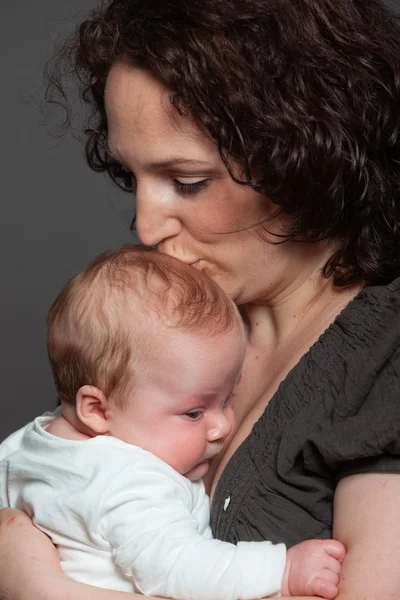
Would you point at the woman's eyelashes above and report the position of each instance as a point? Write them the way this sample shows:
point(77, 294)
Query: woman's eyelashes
point(190, 187)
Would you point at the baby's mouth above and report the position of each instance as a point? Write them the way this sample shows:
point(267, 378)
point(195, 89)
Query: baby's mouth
point(212, 456)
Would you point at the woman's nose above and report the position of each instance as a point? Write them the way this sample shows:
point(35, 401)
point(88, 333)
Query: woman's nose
point(220, 427)
point(155, 216)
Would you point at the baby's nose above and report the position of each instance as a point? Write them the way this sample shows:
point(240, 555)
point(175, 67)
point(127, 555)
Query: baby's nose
point(220, 428)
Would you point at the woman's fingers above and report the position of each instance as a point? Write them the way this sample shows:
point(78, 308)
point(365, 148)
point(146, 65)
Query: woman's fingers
point(27, 556)
point(11, 516)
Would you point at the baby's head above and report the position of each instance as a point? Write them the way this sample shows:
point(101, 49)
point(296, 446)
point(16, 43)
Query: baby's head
point(147, 349)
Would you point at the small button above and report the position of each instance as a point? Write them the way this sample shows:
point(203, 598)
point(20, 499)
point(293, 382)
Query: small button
point(227, 502)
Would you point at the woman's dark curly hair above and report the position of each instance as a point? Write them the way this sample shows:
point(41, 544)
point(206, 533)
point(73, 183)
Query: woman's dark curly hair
point(305, 93)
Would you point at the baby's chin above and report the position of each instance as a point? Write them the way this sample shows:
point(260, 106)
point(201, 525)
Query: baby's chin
point(199, 471)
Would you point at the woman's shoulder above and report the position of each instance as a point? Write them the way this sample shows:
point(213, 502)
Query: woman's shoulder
point(381, 302)
point(359, 408)
point(363, 342)
point(374, 314)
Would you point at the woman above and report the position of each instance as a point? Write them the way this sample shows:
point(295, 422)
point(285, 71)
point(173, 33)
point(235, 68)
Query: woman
point(261, 139)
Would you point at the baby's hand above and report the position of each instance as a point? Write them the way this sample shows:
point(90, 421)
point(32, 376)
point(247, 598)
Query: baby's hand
point(312, 569)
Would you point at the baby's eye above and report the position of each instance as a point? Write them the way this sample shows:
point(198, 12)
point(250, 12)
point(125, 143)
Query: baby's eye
point(193, 414)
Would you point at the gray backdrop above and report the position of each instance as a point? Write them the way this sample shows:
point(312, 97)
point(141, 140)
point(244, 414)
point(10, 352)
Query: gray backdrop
point(55, 213)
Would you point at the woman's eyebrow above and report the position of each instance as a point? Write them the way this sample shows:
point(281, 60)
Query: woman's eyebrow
point(174, 160)
point(162, 164)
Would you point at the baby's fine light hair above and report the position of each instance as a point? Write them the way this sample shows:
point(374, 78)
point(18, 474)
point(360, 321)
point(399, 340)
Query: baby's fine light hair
point(89, 341)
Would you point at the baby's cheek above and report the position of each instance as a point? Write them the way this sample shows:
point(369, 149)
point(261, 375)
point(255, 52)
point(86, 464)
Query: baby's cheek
point(190, 452)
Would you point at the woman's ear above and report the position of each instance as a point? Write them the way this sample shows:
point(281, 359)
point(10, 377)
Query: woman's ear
point(91, 408)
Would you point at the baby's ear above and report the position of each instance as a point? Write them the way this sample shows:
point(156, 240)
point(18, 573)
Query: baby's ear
point(91, 407)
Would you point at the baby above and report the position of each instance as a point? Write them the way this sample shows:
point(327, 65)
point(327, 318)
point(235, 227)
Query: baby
point(146, 353)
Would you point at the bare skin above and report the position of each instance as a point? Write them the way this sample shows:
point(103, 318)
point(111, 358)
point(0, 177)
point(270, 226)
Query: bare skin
point(287, 305)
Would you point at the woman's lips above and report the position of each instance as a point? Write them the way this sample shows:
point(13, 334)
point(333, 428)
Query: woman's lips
point(195, 265)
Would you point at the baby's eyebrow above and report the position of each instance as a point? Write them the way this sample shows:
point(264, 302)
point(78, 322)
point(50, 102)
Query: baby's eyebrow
point(196, 400)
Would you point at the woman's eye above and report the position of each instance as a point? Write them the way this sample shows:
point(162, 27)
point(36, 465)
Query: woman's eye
point(190, 185)
point(193, 414)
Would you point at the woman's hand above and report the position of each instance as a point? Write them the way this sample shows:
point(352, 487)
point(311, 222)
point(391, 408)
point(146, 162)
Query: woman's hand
point(30, 566)
point(28, 560)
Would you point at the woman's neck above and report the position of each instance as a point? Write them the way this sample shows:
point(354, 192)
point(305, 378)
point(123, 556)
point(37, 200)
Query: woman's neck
point(302, 306)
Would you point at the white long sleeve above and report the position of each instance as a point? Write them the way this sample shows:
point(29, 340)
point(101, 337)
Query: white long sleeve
point(124, 520)
point(157, 542)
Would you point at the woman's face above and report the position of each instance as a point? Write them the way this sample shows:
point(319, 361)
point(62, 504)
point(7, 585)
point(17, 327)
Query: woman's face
point(186, 203)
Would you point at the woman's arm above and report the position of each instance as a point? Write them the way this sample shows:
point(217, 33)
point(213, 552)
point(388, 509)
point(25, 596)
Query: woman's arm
point(30, 566)
point(367, 521)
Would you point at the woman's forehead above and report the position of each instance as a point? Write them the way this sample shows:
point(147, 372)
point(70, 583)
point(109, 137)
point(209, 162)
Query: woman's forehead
point(143, 123)
point(135, 91)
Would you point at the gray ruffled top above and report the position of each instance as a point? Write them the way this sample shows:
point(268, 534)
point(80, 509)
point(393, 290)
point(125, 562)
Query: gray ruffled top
point(337, 413)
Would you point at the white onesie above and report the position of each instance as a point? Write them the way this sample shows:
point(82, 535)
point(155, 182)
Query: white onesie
point(122, 519)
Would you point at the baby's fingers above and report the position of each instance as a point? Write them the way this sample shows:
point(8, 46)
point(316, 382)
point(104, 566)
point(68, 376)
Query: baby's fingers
point(321, 586)
point(331, 564)
point(335, 549)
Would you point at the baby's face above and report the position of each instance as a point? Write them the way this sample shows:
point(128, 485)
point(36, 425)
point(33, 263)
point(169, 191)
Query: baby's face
point(180, 409)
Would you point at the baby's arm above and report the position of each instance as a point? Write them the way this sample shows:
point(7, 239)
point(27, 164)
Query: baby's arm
point(156, 541)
